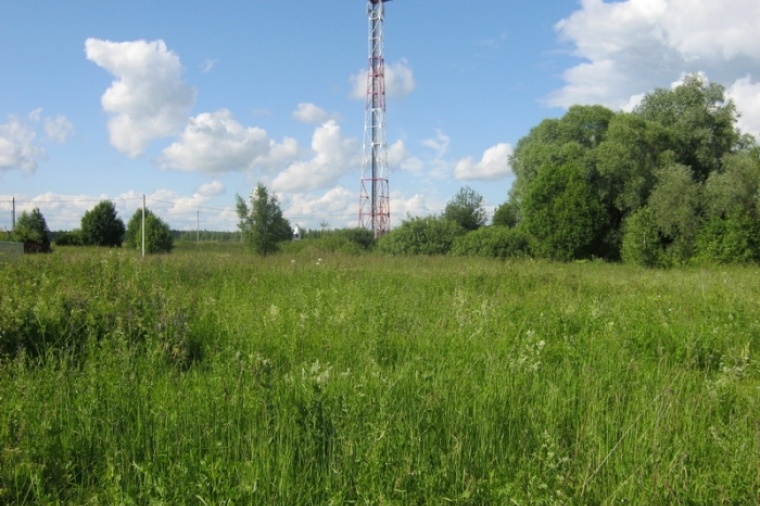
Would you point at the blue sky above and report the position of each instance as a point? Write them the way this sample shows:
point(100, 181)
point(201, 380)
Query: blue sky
point(193, 102)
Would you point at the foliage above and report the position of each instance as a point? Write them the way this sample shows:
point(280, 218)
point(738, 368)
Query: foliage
point(642, 243)
point(431, 235)
point(31, 229)
point(507, 215)
point(700, 120)
point(493, 242)
point(70, 238)
point(262, 224)
point(564, 214)
point(677, 140)
point(466, 209)
point(675, 206)
point(730, 240)
point(158, 235)
point(101, 226)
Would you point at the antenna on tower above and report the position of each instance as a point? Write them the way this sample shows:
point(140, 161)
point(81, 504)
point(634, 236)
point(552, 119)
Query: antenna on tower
point(374, 200)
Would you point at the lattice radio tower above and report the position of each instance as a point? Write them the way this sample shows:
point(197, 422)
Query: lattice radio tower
point(374, 205)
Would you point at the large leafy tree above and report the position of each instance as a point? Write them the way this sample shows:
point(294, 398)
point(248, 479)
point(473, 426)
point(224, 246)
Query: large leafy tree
point(466, 209)
point(101, 226)
point(701, 121)
point(158, 235)
point(31, 229)
point(262, 222)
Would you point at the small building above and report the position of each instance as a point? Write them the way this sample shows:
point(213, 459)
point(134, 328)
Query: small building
point(296, 233)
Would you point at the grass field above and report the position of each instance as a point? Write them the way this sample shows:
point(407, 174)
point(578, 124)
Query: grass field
point(210, 376)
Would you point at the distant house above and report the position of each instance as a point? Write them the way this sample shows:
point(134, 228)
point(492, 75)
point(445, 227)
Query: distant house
point(296, 233)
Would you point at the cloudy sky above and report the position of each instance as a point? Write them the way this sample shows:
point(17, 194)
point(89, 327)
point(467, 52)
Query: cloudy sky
point(190, 103)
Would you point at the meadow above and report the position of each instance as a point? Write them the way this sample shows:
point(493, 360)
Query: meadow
point(211, 376)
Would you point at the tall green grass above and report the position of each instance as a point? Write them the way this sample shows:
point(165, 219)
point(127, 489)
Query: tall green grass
point(215, 377)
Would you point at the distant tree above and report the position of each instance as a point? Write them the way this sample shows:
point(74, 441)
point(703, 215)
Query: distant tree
point(31, 229)
point(70, 238)
point(158, 235)
point(261, 222)
point(506, 215)
point(431, 235)
point(101, 226)
point(466, 209)
point(642, 242)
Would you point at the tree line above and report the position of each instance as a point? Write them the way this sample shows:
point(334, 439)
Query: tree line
point(100, 226)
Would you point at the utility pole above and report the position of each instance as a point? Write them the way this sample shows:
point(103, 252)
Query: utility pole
point(198, 229)
point(13, 214)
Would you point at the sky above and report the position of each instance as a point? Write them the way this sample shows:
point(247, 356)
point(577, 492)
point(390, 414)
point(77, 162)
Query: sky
point(190, 103)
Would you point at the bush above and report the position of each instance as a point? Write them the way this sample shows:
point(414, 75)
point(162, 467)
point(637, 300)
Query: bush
point(158, 236)
point(731, 240)
point(493, 242)
point(421, 236)
point(642, 242)
point(72, 238)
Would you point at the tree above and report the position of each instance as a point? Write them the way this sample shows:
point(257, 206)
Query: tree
point(262, 223)
point(700, 120)
point(158, 235)
point(506, 215)
point(642, 243)
point(31, 229)
point(101, 226)
point(563, 212)
point(466, 209)
point(675, 206)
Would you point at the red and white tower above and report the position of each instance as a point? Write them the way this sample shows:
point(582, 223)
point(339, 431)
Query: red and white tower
point(374, 200)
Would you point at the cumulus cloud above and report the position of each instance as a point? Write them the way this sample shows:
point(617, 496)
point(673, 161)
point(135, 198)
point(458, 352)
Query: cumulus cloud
point(399, 81)
point(746, 95)
point(337, 207)
point(334, 155)
point(307, 112)
point(215, 142)
point(18, 149)
point(211, 189)
point(439, 144)
point(147, 99)
point(492, 166)
point(58, 128)
point(631, 47)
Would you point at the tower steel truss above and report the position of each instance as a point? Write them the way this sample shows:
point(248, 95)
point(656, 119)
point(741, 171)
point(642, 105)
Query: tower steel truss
point(374, 199)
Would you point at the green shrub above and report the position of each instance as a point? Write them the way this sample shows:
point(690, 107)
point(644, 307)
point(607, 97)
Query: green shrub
point(158, 236)
point(431, 235)
point(731, 240)
point(494, 242)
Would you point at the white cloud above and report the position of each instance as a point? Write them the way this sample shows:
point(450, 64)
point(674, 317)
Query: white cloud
point(337, 207)
point(397, 154)
point(334, 155)
point(492, 166)
point(211, 189)
point(207, 65)
point(399, 81)
point(215, 142)
point(632, 47)
point(310, 113)
point(439, 144)
point(17, 147)
point(58, 128)
point(746, 95)
point(148, 98)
